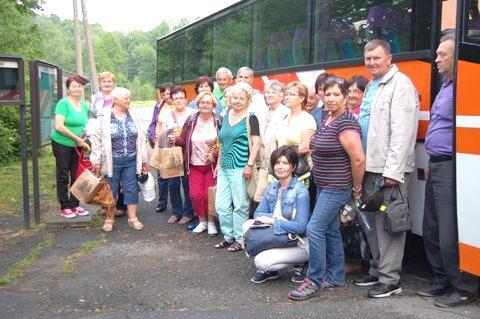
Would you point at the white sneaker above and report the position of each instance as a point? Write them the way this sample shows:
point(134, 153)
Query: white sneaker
point(201, 227)
point(212, 229)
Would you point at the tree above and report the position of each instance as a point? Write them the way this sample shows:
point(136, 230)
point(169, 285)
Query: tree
point(110, 55)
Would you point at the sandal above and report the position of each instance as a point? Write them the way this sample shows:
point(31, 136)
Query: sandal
point(135, 223)
point(173, 219)
point(235, 248)
point(185, 220)
point(224, 244)
point(108, 225)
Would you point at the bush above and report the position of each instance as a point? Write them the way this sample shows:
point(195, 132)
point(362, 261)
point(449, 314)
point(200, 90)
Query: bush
point(10, 138)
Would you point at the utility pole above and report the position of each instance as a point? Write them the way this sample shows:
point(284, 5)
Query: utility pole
point(78, 43)
point(91, 58)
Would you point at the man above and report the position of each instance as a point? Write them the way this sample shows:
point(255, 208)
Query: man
point(164, 104)
point(389, 120)
point(258, 106)
point(224, 79)
point(314, 106)
point(451, 286)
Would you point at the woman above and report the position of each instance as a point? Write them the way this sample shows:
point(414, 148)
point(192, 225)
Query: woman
point(277, 113)
point(164, 104)
point(199, 142)
point(71, 116)
point(299, 127)
point(338, 167)
point(101, 101)
point(236, 165)
point(204, 84)
point(285, 207)
point(356, 87)
point(172, 123)
point(119, 151)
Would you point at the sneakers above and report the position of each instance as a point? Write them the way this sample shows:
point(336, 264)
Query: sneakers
point(80, 211)
point(381, 290)
point(434, 290)
point(201, 227)
point(212, 229)
point(262, 276)
point(299, 274)
point(68, 213)
point(366, 281)
point(453, 299)
point(305, 291)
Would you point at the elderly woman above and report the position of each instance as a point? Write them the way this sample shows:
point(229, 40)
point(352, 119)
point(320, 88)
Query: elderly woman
point(204, 84)
point(285, 207)
point(101, 101)
point(71, 116)
point(235, 166)
point(356, 87)
point(277, 113)
point(338, 167)
point(199, 142)
point(299, 127)
point(172, 122)
point(119, 151)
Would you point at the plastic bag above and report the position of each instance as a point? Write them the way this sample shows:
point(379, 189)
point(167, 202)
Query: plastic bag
point(148, 188)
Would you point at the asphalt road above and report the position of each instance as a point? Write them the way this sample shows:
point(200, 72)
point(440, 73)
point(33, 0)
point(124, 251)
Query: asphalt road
point(165, 271)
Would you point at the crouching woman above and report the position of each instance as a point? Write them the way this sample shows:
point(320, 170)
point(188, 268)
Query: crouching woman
point(285, 206)
point(118, 150)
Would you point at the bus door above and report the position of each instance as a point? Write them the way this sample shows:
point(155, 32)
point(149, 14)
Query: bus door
point(467, 134)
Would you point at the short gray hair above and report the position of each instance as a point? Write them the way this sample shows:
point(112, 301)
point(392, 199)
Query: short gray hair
point(375, 43)
point(246, 69)
point(275, 85)
point(448, 37)
point(224, 70)
point(119, 92)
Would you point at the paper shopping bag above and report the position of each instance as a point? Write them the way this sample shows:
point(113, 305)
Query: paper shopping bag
point(171, 162)
point(85, 186)
point(212, 191)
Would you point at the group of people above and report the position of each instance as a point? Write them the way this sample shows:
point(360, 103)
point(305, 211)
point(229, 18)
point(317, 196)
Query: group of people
point(317, 146)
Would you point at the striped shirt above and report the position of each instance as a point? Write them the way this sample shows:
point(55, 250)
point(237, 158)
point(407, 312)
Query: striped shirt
point(331, 164)
point(234, 142)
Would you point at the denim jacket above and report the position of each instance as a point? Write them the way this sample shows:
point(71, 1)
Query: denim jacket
point(294, 196)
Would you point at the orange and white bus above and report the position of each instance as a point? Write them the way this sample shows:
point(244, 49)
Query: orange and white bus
point(296, 40)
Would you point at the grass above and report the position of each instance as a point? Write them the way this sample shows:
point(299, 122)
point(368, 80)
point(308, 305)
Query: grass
point(11, 189)
point(70, 260)
point(17, 270)
point(142, 103)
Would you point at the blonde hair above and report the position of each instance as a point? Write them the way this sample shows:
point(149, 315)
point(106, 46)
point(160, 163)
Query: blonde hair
point(302, 91)
point(243, 87)
point(200, 97)
point(105, 75)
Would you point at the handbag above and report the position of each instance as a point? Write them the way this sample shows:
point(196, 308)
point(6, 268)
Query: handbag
point(83, 162)
point(85, 186)
point(104, 198)
point(396, 213)
point(355, 243)
point(303, 166)
point(261, 237)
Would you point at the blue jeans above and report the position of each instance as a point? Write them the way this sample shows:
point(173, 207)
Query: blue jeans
point(162, 189)
point(325, 243)
point(180, 209)
point(125, 171)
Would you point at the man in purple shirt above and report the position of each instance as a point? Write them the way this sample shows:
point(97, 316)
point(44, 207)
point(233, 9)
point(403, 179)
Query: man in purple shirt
point(450, 286)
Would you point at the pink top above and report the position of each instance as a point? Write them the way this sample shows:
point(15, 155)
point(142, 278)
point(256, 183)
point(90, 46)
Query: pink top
point(107, 102)
point(203, 136)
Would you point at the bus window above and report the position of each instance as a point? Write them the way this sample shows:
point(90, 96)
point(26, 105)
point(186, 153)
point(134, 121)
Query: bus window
point(164, 61)
point(198, 52)
point(280, 37)
point(343, 27)
point(472, 25)
point(231, 40)
point(178, 55)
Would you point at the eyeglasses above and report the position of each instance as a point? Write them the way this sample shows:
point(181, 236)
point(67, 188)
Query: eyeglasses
point(75, 87)
point(273, 92)
point(291, 94)
point(335, 79)
point(206, 103)
point(180, 98)
point(106, 82)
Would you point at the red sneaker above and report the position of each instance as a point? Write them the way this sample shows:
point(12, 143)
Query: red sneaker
point(80, 211)
point(68, 213)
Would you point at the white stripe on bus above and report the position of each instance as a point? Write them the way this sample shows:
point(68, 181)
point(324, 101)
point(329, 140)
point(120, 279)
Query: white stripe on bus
point(424, 115)
point(468, 121)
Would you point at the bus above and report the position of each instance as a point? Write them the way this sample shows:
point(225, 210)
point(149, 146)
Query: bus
point(296, 40)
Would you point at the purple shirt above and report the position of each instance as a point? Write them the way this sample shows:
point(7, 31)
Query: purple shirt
point(439, 140)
